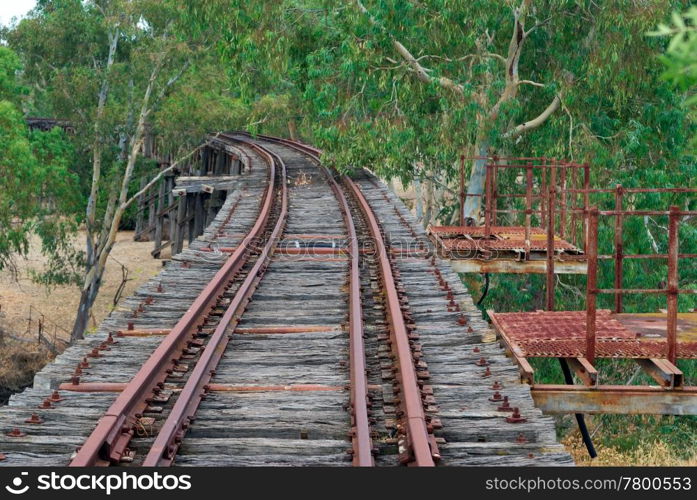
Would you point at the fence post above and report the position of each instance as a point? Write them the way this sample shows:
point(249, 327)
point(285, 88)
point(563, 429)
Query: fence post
point(591, 282)
point(528, 208)
point(619, 250)
point(487, 206)
point(672, 290)
point(562, 211)
point(551, 200)
point(494, 194)
point(543, 192)
point(462, 191)
point(586, 203)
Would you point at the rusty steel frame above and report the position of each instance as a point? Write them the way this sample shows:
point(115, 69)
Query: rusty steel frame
point(419, 440)
point(549, 190)
point(110, 438)
point(361, 441)
point(671, 291)
point(555, 200)
point(671, 397)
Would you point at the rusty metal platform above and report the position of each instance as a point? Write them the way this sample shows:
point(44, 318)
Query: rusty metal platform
point(562, 334)
point(458, 239)
point(505, 250)
point(450, 231)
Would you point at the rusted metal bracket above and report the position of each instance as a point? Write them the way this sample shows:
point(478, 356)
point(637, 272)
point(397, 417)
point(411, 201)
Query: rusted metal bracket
point(584, 370)
point(662, 371)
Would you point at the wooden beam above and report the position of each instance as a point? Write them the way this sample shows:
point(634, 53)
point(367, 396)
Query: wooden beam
point(623, 400)
point(171, 204)
point(203, 178)
point(190, 211)
point(512, 266)
point(584, 370)
point(179, 226)
point(141, 207)
point(159, 220)
point(199, 214)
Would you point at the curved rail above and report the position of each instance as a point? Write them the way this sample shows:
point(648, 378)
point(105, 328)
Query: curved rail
point(361, 441)
point(419, 446)
point(109, 440)
point(166, 444)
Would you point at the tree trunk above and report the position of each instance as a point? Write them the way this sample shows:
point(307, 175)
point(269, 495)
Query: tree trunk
point(428, 202)
point(292, 130)
point(84, 310)
point(418, 201)
point(475, 187)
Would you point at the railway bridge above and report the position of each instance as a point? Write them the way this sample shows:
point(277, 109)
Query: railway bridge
point(309, 323)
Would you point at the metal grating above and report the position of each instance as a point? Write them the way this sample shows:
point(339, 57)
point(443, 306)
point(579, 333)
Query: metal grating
point(479, 230)
point(558, 334)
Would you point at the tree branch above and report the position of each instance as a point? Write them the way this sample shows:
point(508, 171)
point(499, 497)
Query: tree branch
point(530, 82)
point(159, 176)
point(418, 69)
point(97, 148)
point(535, 122)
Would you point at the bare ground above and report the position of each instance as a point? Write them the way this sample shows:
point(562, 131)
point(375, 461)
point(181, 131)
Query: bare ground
point(23, 303)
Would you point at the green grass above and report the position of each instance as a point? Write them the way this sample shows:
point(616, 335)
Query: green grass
point(627, 433)
point(630, 438)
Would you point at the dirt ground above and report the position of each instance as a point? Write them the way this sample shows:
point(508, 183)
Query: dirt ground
point(23, 303)
point(21, 300)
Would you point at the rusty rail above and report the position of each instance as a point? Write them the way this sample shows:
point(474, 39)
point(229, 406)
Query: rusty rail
point(168, 440)
point(361, 441)
point(109, 440)
point(419, 441)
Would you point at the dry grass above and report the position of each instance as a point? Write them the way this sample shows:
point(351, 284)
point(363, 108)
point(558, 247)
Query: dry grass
point(654, 453)
point(18, 364)
point(59, 304)
point(18, 294)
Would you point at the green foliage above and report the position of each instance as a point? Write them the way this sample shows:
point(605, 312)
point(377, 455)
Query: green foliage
point(680, 58)
point(10, 89)
point(37, 186)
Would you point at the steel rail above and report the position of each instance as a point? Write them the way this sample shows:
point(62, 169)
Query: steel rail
point(418, 437)
point(110, 438)
point(361, 441)
point(164, 449)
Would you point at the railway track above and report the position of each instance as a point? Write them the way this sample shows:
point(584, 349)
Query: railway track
point(310, 325)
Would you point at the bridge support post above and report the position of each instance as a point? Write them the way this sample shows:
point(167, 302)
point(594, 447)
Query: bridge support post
point(160, 218)
point(178, 242)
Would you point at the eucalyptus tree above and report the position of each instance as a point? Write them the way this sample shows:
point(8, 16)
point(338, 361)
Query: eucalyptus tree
point(480, 89)
point(680, 57)
point(109, 66)
point(35, 182)
point(406, 87)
